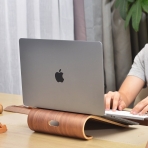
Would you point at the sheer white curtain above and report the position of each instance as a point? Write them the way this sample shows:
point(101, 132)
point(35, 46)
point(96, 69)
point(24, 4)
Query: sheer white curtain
point(46, 19)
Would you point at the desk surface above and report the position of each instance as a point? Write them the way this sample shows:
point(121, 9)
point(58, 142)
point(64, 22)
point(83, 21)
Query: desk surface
point(19, 135)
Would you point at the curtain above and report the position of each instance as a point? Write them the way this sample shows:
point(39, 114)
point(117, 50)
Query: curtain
point(104, 23)
point(139, 39)
point(90, 20)
point(79, 20)
point(120, 45)
point(46, 19)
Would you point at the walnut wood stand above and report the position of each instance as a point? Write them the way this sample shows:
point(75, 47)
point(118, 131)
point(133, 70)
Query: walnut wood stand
point(63, 123)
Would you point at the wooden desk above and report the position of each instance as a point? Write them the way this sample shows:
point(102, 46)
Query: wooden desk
point(20, 136)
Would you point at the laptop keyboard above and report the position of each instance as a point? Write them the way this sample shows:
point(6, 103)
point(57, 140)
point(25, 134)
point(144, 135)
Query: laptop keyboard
point(120, 120)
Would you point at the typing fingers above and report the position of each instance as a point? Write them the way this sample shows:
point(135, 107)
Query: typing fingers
point(141, 108)
point(115, 101)
point(108, 98)
point(111, 100)
point(144, 111)
point(121, 104)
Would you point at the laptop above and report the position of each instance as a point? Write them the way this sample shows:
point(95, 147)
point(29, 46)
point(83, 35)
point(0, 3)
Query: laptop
point(63, 75)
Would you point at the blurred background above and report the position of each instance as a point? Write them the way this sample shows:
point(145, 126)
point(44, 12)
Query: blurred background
point(89, 20)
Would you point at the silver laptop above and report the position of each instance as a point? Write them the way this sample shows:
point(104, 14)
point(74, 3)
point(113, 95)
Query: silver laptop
point(63, 75)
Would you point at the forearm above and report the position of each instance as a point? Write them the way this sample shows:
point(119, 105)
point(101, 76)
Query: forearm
point(130, 89)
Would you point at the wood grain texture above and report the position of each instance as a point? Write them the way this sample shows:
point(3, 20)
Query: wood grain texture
point(18, 109)
point(19, 135)
point(70, 124)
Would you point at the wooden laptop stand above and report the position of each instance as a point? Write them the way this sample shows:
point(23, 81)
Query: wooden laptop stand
point(63, 123)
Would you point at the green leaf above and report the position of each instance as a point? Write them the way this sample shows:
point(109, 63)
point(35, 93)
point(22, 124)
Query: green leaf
point(136, 15)
point(131, 1)
point(145, 5)
point(129, 15)
point(117, 3)
point(123, 8)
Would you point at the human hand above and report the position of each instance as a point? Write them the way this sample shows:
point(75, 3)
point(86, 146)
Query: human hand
point(114, 101)
point(141, 108)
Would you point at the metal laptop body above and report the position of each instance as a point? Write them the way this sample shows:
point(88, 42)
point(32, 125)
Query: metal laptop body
point(63, 75)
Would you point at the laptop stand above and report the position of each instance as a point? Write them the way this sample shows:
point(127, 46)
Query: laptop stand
point(63, 123)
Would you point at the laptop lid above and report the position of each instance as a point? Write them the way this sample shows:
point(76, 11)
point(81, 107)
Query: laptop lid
point(63, 75)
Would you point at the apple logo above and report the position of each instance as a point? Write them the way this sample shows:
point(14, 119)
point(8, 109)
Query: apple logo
point(59, 76)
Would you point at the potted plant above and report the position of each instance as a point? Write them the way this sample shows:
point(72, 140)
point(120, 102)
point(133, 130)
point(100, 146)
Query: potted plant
point(131, 10)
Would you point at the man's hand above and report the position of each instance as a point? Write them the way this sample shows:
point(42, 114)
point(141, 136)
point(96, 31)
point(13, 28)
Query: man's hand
point(141, 108)
point(126, 94)
point(114, 101)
